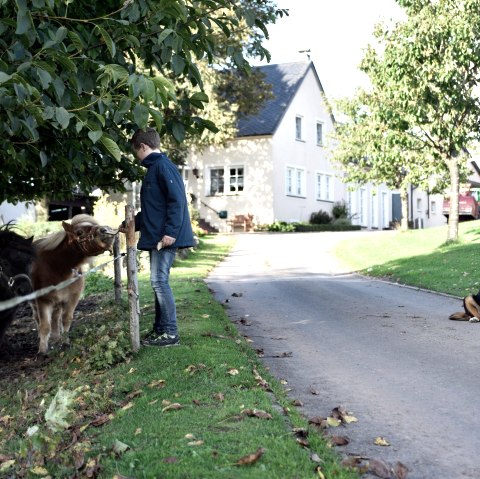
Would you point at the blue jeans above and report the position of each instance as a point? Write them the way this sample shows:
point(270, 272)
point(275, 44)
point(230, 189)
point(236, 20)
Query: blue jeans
point(165, 309)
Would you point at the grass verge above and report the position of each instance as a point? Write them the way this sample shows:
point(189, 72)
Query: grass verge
point(191, 411)
point(419, 258)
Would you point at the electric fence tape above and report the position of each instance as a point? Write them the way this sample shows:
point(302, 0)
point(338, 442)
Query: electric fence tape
point(10, 303)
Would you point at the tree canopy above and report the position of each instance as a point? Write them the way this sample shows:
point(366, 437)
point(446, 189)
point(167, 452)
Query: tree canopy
point(77, 78)
point(424, 77)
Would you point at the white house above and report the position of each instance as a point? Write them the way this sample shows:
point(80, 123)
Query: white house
point(278, 166)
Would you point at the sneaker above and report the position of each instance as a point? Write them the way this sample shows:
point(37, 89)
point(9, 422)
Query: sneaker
point(163, 340)
point(152, 335)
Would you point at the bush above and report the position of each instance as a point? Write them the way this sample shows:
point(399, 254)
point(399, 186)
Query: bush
point(341, 226)
point(320, 218)
point(281, 226)
point(340, 210)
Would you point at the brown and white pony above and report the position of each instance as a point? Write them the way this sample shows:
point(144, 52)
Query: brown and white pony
point(60, 256)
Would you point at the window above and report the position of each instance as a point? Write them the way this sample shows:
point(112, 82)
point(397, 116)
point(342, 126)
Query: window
point(226, 180)
point(236, 180)
point(295, 182)
point(319, 133)
point(433, 207)
point(419, 204)
point(324, 187)
point(298, 128)
point(216, 181)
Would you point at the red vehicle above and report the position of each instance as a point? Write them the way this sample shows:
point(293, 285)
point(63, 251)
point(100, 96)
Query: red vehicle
point(467, 207)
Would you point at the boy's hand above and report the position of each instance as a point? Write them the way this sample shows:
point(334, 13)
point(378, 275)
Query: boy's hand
point(165, 242)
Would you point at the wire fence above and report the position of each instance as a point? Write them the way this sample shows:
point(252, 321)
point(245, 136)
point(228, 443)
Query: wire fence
point(10, 303)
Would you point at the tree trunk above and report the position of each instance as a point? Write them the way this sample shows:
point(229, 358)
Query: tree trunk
point(453, 169)
point(404, 203)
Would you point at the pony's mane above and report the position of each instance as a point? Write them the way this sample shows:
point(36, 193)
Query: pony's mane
point(8, 237)
point(54, 240)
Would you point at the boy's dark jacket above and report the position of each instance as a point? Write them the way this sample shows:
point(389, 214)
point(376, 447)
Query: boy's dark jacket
point(164, 205)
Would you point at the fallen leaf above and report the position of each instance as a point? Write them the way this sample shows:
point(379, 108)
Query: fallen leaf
point(157, 383)
point(138, 431)
point(233, 372)
point(197, 402)
point(315, 458)
point(339, 440)
point(400, 470)
point(39, 471)
point(172, 407)
point(189, 436)
point(251, 458)
point(153, 402)
point(316, 392)
point(283, 355)
point(319, 472)
point(195, 443)
point(302, 441)
point(237, 295)
point(219, 397)
point(256, 413)
point(119, 447)
point(170, 460)
point(297, 403)
point(120, 476)
point(134, 394)
point(6, 465)
point(205, 316)
point(381, 441)
point(283, 381)
point(127, 406)
point(300, 432)
point(131, 370)
point(333, 422)
point(379, 468)
point(344, 416)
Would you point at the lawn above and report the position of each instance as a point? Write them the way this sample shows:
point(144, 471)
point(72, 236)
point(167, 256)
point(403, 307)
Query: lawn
point(419, 258)
point(204, 409)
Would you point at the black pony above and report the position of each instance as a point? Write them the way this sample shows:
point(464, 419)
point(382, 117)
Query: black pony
point(16, 256)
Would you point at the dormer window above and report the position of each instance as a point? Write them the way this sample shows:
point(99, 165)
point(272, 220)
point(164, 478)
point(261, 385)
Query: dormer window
point(319, 133)
point(298, 128)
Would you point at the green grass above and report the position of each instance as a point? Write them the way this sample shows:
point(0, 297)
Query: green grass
point(213, 375)
point(419, 258)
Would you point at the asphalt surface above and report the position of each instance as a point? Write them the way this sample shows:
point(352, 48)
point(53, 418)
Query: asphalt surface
point(387, 354)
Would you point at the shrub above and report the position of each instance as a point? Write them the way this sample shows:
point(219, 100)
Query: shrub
point(320, 218)
point(281, 226)
point(339, 210)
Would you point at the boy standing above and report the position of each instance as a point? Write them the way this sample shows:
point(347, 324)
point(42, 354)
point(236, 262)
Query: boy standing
point(164, 225)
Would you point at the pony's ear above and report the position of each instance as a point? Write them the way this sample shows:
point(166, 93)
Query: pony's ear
point(67, 227)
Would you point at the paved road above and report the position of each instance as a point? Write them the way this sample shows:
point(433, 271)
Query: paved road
point(387, 354)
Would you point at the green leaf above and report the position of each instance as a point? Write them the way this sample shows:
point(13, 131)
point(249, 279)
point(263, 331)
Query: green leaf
point(178, 64)
point(43, 158)
point(158, 117)
point(141, 115)
point(63, 117)
point(4, 77)
point(178, 131)
point(108, 40)
point(44, 77)
point(24, 20)
point(76, 40)
point(165, 33)
point(200, 96)
point(111, 147)
point(95, 135)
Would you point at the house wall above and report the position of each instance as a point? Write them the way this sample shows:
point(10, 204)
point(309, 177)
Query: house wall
point(10, 212)
point(304, 154)
point(254, 156)
point(370, 206)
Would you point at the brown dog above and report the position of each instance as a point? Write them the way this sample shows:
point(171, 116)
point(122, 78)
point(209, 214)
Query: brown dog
point(471, 305)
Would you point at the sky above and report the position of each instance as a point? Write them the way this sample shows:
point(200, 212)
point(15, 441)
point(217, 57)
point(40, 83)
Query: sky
point(336, 32)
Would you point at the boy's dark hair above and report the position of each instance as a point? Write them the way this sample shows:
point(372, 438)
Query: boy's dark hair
point(148, 137)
